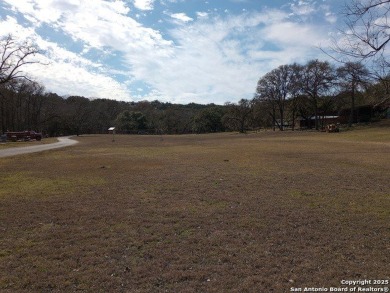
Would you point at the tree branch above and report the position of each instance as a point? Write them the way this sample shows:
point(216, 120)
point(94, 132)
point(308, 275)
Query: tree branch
point(13, 58)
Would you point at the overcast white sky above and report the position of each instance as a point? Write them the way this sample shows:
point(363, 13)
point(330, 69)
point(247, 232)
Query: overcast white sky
point(179, 51)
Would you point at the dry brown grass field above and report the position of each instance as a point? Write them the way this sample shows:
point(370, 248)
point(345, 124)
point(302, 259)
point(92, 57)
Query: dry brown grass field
point(262, 212)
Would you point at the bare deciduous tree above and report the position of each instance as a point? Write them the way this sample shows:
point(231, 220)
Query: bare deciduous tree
point(276, 87)
point(317, 80)
point(14, 56)
point(352, 76)
point(367, 31)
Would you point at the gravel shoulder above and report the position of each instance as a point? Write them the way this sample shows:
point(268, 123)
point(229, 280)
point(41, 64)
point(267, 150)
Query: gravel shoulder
point(62, 142)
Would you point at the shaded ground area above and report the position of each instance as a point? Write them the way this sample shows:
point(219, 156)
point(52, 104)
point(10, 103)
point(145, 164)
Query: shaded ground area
point(62, 142)
point(203, 213)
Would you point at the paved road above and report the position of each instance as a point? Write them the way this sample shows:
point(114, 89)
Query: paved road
point(62, 142)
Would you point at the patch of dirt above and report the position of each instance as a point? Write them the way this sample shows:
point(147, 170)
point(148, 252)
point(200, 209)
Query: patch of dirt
point(197, 213)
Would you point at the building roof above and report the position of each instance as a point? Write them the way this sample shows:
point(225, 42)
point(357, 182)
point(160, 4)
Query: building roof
point(319, 117)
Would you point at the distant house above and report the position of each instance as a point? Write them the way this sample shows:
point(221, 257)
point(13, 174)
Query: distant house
point(360, 114)
point(286, 124)
point(310, 122)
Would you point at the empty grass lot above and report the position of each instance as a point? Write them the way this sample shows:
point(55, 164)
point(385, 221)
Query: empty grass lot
point(262, 212)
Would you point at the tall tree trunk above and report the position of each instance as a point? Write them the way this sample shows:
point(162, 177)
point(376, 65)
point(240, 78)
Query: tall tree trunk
point(2, 105)
point(273, 118)
point(316, 114)
point(351, 114)
point(293, 119)
point(281, 126)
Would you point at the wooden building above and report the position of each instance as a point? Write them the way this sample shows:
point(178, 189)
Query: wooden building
point(310, 122)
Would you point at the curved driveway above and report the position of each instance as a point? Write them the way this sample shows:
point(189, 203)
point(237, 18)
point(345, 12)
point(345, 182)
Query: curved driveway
point(62, 142)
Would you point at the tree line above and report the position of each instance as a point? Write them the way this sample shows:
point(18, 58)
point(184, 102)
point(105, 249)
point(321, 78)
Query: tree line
point(319, 89)
point(25, 105)
point(282, 95)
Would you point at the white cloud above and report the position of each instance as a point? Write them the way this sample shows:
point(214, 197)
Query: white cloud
point(212, 58)
point(182, 17)
point(65, 72)
point(144, 4)
point(329, 16)
point(201, 14)
point(221, 59)
point(93, 22)
point(292, 34)
point(310, 8)
point(68, 79)
point(303, 8)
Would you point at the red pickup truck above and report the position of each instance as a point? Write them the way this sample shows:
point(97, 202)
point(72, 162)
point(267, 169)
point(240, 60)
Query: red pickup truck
point(23, 135)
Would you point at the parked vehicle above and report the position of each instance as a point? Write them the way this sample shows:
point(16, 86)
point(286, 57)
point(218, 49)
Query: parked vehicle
point(332, 128)
point(23, 135)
